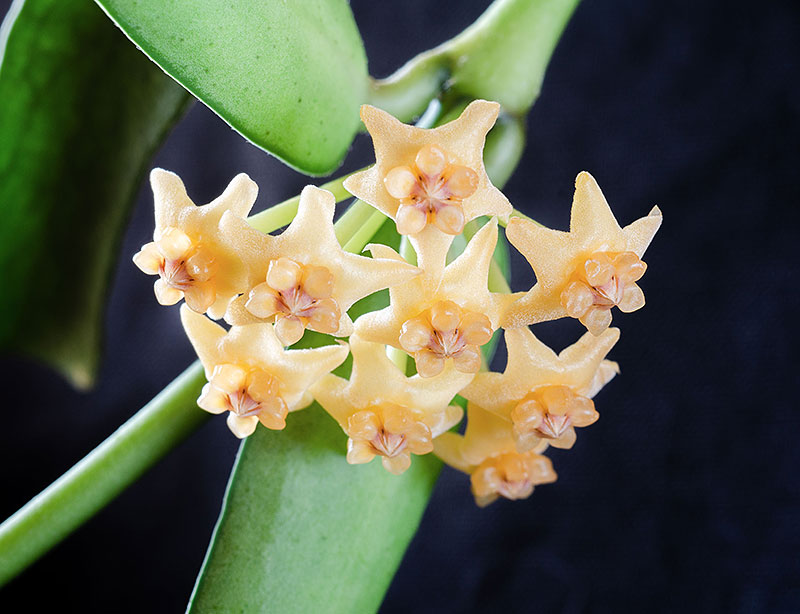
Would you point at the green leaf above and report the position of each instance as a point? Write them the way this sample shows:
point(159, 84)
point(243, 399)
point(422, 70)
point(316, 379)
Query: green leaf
point(81, 113)
point(303, 531)
point(502, 56)
point(289, 76)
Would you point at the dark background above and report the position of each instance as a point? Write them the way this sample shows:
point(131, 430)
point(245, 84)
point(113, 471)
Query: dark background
point(683, 498)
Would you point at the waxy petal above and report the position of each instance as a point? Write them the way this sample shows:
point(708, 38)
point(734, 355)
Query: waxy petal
point(257, 347)
point(397, 145)
point(531, 365)
point(310, 241)
point(376, 379)
point(554, 255)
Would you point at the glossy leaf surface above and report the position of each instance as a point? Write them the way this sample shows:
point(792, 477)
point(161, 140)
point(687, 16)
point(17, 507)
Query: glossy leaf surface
point(289, 76)
point(81, 113)
point(303, 531)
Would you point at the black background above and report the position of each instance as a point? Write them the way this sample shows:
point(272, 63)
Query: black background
point(683, 498)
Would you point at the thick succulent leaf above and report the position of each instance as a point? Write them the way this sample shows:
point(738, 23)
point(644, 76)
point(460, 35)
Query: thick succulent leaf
point(289, 76)
point(81, 112)
point(303, 531)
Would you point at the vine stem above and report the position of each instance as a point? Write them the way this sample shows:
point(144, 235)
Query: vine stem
point(101, 475)
point(283, 213)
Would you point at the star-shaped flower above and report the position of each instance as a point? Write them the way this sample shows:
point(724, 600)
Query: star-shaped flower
point(445, 316)
point(486, 452)
point(582, 273)
point(385, 413)
point(430, 181)
point(251, 375)
point(188, 253)
point(542, 394)
point(302, 278)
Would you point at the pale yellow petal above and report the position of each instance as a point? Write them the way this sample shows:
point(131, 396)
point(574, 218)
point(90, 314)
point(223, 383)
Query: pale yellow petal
point(591, 216)
point(607, 370)
point(640, 233)
point(487, 434)
point(166, 294)
point(205, 337)
point(238, 197)
point(330, 392)
point(242, 427)
point(448, 448)
point(445, 420)
point(170, 198)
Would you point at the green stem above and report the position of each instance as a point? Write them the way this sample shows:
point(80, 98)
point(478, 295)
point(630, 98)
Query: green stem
point(364, 233)
point(105, 472)
point(519, 214)
point(283, 213)
point(351, 220)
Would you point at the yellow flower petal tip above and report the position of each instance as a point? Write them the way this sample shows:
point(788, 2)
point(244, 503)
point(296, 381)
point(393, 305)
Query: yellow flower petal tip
point(585, 272)
point(444, 317)
point(430, 181)
point(487, 453)
point(250, 374)
point(303, 279)
point(386, 414)
point(189, 254)
point(545, 395)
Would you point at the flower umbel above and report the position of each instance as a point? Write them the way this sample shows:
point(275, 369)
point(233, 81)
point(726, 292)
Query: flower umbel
point(272, 288)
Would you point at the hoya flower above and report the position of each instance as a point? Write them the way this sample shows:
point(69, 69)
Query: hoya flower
point(445, 317)
point(585, 272)
point(187, 252)
point(542, 394)
point(250, 374)
point(302, 278)
point(487, 453)
point(430, 181)
point(386, 414)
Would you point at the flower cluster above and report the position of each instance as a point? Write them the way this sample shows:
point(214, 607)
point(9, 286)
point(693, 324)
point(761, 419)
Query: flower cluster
point(441, 314)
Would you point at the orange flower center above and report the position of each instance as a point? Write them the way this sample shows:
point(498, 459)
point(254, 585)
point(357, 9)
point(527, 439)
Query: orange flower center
point(246, 392)
point(297, 297)
point(185, 268)
point(551, 412)
point(600, 282)
point(510, 475)
point(430, 191)
point(446, 331)
point(391, 431)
